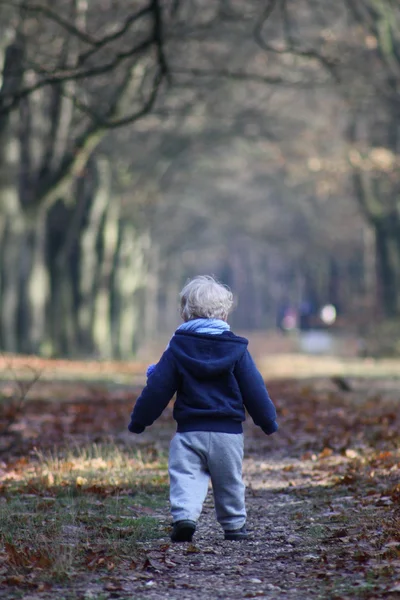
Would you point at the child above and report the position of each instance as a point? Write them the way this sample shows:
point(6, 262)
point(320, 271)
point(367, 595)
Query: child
point(215, 379)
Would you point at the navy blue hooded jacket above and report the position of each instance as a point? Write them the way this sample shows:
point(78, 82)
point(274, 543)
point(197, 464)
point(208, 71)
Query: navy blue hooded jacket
point(214, 378)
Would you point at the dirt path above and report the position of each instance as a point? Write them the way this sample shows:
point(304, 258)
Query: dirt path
point(323, 507)
point(308, 541)
point(277, 562)
point(323, 501)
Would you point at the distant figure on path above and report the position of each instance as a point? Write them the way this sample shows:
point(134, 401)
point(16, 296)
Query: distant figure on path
point(286, 317)
point(215, 379)
point(281, 312)
point(305, 314)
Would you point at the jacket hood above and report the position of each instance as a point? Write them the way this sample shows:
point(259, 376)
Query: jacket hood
point(207, 355)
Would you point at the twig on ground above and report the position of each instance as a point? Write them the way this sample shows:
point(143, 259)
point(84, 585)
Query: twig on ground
point(13, 410)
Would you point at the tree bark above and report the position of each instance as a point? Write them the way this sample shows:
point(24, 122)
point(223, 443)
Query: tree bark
point(370, 269)
point(129, 279)
point(35, 288)
point(151, 309)
point(13, 235)
point(64, 227)
point(387, 275)
point(171, 317)
point(385, 224)
point(101, 314)
point(10, 268)
point(88, 253)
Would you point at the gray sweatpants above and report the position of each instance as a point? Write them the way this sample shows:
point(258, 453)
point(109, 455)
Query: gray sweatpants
point(195, 457)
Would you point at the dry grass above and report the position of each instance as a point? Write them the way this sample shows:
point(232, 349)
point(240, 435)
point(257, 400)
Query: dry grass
point(300, 366)
point(84, 521)
point(84, 509)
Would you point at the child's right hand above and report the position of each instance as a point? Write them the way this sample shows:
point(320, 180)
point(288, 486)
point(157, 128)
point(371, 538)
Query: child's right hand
point(271, 428)
point(135, 427)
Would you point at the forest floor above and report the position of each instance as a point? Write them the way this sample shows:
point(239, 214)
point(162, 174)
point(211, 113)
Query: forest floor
point(84, 504)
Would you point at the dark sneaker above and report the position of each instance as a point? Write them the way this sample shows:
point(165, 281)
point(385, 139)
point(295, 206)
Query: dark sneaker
point(237, 534)
point(182, 531)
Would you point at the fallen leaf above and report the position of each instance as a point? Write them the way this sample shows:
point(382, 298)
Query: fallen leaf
point(15, 580)
point(113, 586)
point(145, 510)
point(169, 563)
point(192, 549)
point(326, 452)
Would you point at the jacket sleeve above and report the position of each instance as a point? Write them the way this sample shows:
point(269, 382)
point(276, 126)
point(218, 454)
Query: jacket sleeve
point(254, 393)
point(160, 388)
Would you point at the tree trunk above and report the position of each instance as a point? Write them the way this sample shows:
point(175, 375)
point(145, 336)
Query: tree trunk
point(256, 276)
point(387, 275)
point(89, 260)
point(171, 315)
point(34, 290)
point(369, 193)
point(101, 314)
point(63, 331)
point(240, 282)
point(129, 278)
point(370, 270)
point(10, 268)
point(151, 308)
point(12, 236)
point(64, 229)
point(2, 249)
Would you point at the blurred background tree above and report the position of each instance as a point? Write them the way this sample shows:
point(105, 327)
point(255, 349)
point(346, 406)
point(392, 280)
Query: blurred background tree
point(143, 142)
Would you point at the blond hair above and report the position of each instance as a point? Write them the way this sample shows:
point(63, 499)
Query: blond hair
point(205, 298)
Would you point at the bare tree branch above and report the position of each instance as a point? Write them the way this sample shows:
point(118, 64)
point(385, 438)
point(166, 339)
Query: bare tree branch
point(100, 44)
point(271, 5)
point(12, 75)
point(291, 46)
point(56, 78)
point(64, 72)
point(243, 76)
point(373, 22)
point(158, 35)
point(14, 411)
point(55, 17)
point(74, 161)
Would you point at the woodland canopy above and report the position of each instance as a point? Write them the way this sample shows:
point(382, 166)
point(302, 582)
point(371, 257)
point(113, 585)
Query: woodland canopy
point(142, 142)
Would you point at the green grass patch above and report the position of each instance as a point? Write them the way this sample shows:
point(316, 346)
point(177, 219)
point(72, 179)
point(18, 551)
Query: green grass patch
point(58, 537)
point(80, 509)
